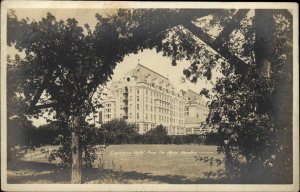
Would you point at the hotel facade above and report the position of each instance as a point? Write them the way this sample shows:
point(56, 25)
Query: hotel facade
point(148, 99)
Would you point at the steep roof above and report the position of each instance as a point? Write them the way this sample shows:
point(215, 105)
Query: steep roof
point(142, 73)
point(192, 97)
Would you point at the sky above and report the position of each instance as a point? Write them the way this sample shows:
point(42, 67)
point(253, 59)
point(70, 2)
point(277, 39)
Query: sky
point(148, 58)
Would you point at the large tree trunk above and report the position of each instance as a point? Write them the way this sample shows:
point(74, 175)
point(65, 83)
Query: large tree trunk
point(263, 31)
point(76, 151)
point(281, 103)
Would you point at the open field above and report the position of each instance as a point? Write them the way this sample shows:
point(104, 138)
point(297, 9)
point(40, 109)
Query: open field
point(128, 164)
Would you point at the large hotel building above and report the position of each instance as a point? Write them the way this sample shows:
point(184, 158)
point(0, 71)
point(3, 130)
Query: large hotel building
point(148, 99)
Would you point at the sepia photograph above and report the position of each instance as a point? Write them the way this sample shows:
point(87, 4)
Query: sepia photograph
point(149, 96)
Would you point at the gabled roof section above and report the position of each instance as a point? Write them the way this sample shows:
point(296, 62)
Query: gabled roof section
point(142, 74)
point(192, 97)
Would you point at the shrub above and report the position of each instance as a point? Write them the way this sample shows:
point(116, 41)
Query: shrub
point(89, 138)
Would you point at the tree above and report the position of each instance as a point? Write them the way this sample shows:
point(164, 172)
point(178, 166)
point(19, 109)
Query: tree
point(254, 57)
point(60, 63)
point(63, 67)
point(241, 102)
point(118, 131)
point(20, 128)
point(254, 122)
point(158, 135)
point(89, 137)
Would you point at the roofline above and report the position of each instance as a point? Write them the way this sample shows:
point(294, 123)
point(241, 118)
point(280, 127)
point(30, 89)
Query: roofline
point(193, 92)
point(153, 71)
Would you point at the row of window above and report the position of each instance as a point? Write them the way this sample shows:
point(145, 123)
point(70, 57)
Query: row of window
point(108, 105)
point(161, 118)
point(160, 110)
point(156, 95)
point(178, 130)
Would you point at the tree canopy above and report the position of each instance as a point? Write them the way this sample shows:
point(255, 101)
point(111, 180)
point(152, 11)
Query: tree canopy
point(252, 52)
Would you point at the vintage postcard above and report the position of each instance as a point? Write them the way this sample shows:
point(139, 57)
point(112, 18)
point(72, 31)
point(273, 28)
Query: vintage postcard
point(149, 96)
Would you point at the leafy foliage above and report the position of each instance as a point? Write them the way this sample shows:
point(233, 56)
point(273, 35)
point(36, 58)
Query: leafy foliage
point(253, 123)
point(118, 132)
point(63, 66)
point(89, 139)
point(157, 135)
point(253, 111)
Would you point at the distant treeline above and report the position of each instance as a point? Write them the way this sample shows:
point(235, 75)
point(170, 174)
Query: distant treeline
point(114, 132)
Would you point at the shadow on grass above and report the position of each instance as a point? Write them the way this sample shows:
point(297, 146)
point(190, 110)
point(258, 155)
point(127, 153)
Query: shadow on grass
point(41, 172)
point(93, 175)
point(36, 172)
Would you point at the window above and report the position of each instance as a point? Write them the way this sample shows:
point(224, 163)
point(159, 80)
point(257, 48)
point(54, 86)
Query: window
point(138, 98)
point(138, 116)
point(187, 112)
point(145, 127)
point(197, 130)
point(137, 91)
point(137, 106)
point(189, 131)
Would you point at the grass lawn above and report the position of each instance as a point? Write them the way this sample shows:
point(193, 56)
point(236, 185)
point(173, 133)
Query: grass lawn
point(128, 164)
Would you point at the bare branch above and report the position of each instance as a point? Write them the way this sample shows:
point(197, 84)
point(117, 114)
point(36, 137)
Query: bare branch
point(241, 66)
point(40, 90)
point(43, 106)
point(233, 24)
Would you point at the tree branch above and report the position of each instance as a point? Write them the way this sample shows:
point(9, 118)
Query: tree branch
point(40, 90)
point(233, 24)
point(241, 66)
point(42, 106)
